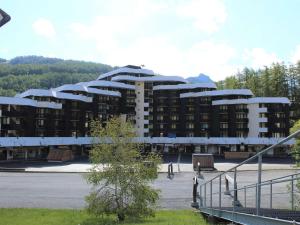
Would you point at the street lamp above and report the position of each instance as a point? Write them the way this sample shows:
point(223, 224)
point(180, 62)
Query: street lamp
point(4, 18)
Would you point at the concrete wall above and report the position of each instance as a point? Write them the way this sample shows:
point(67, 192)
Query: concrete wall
point(253, 117)
point(139, 108)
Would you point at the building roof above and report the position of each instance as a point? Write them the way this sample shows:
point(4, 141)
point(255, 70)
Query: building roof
point(48, 141)
point(54, 94)
point(185, 86)
point(104, 83)
point(126, 70)
point(29, 102)
point(149, 79)
point(83, 88)
point(277, 100)
point(246, 92)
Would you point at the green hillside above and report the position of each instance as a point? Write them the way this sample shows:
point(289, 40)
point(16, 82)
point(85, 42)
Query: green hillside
point(25, 72)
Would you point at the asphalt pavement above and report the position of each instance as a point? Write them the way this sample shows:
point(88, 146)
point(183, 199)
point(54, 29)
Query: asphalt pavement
point(68, 190)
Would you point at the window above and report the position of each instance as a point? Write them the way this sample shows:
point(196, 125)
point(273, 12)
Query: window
point(280, 125)
point(241, 134)
point(262, 125)
point(160, 109)
point(40, 123)
point(241, 115)
point(57, 112)
point(40, 110)
point(74, 104)
point(174, 117)
point(190, 117)
point(223, 125)
point(203, 134)
point(40, 133)
point(190, 125)
point(190, 134)
point(190, 100)
point(278, 135)
point(204, 125)
point(223, 107)
point(190, 109)
point(262, 105)
point(161, 126)
point(205, 100)
point(174, 101)
point(74, 115)
point(18, 121)
point(262, 115)
point(223, 134)
point(204, 116)
point(241, 125)
point(263, 135)
point(5, 120)
point(241, 107)
point(173, 126)
point(160, 117)
point(280, 115)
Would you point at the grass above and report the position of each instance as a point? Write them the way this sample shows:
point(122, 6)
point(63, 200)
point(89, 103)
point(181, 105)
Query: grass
point(76, 217)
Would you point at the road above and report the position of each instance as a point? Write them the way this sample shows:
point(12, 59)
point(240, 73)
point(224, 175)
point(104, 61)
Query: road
point(67, 190)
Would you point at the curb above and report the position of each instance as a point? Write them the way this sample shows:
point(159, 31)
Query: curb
point(12, 169)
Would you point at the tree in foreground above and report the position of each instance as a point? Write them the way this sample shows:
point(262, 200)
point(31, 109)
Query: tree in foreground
point(296, 155)
point(296, 146)
point(120, 174)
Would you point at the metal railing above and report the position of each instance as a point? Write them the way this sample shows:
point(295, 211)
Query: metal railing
point(206, 192)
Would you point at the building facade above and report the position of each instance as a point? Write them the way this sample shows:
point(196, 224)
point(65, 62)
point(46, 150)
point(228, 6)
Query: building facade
point(169, 114)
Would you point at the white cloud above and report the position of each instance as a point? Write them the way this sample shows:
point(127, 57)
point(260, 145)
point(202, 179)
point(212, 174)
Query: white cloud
point(208, 15)
point(121, 37)
point(296, 55)
point(259, 57)
point(211, 58)
point(44, 28)
point(159, 54)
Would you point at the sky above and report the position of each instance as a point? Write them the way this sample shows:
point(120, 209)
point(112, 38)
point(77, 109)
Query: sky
point(171, 37)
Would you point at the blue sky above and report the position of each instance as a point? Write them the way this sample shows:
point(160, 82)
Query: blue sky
point(172, 37)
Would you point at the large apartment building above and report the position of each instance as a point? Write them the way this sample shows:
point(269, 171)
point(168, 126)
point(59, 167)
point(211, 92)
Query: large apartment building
point(168, 112)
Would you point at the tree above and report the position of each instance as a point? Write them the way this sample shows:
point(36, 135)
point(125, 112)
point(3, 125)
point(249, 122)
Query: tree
point(296, 146)
point(121, 175)
point(296, 155)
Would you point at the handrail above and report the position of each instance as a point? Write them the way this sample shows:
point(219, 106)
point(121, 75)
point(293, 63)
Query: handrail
point(295, 134)
point(267, 182)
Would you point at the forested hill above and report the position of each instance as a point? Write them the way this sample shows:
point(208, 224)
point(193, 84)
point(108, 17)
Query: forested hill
point(25, 72)
point(279, 79)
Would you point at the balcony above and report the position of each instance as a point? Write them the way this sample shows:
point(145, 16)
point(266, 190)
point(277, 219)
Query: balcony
point(263, 120)
point(262, 110)
point(263, 130)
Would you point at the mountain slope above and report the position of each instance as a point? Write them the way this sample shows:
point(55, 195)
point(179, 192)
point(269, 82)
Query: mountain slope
point(201, 78)
point(24, 72)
